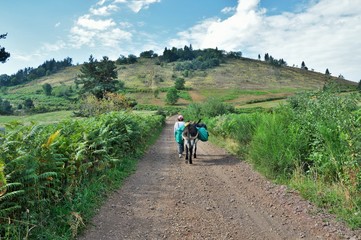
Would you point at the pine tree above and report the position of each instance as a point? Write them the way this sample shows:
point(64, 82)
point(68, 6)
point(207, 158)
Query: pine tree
point(98, 78)
point(266, 57)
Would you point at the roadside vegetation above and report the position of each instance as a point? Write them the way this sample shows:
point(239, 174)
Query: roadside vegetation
point(311, 143)
point(54, 176)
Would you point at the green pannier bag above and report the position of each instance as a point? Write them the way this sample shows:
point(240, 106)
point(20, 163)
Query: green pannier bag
point(202, 134)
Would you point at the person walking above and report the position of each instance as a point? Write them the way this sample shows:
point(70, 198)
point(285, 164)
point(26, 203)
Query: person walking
point(178, 129)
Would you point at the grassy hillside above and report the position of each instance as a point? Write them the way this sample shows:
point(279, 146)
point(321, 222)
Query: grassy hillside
point(242, 82)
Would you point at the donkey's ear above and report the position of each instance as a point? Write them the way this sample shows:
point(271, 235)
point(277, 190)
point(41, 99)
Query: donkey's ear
point(199, 121)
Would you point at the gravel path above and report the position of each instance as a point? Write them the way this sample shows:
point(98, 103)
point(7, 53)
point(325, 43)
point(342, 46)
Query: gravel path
point(218, 197)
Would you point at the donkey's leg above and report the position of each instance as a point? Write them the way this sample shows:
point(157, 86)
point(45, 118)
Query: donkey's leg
point(195, 149)
point(186, 151)
point(190, 154)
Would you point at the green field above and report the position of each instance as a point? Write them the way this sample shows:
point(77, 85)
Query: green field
point(42, 118)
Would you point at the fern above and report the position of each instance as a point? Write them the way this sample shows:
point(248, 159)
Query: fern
point(11, 195)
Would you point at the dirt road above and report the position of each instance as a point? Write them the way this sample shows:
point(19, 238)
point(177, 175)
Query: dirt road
point(218, 197)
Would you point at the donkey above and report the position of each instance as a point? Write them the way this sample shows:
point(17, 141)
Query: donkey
point(190, 137)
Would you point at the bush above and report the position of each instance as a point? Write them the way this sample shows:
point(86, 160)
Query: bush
point(92, 106)
point(172, 96)
point(52, 165)
point(210, 108)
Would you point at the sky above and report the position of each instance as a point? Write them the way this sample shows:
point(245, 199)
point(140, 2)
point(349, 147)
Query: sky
point(324, 34)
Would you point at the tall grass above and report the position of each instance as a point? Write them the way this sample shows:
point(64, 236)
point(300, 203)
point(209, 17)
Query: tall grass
point(312, 143)
point(275, 147)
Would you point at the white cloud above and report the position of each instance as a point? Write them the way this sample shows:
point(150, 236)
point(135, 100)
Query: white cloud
point(80, 36)
point(59, 45)
point(228, 10)
point(324, 35)
point(104, 11)
point(114, 37)
point(137, 5)
point(231, 33)
point(125, 24)
point(86, 22)
point(91, 32)
point(26, 57)
point(101, 2)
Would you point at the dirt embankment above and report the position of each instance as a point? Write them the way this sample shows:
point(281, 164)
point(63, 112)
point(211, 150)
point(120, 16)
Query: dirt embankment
point(218, 197)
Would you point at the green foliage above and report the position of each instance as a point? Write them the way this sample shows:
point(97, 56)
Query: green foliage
point(231, 125)
point(204, 57)
point(28, 104)
point(276, 146)
point(3, 54)
point(172, 96)
point(29, 74)
point(123, 60)
point(185, 95)
point(91, 106)
point(273, 61)
point(156, 93)
point(63, 91)
point(148, 54)
point(212, 107)
point(5, 107)
point(179, 83)
point(315, 138)
point(327, 72)
point(47, 89)
point(52, 165)
point(98, 78)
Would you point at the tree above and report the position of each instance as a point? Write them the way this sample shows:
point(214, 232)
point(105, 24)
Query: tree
point(266, 57)
point(121, 60)
point(179, 83)
point(47, 89)
point(3, 54)
point(148, 54)
point(327, 72)
point(5, 107)
point(98, 78)
point(132, 58)
point(172, 96)
point(303, 66)
point(28, 103)
point(359, 86)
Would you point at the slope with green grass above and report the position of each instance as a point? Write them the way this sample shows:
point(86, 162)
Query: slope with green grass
point(238, 81)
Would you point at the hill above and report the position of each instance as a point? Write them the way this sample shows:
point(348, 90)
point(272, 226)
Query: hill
point(238, 81)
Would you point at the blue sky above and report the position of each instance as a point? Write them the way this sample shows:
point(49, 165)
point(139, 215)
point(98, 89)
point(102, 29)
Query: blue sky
point(322, 33)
